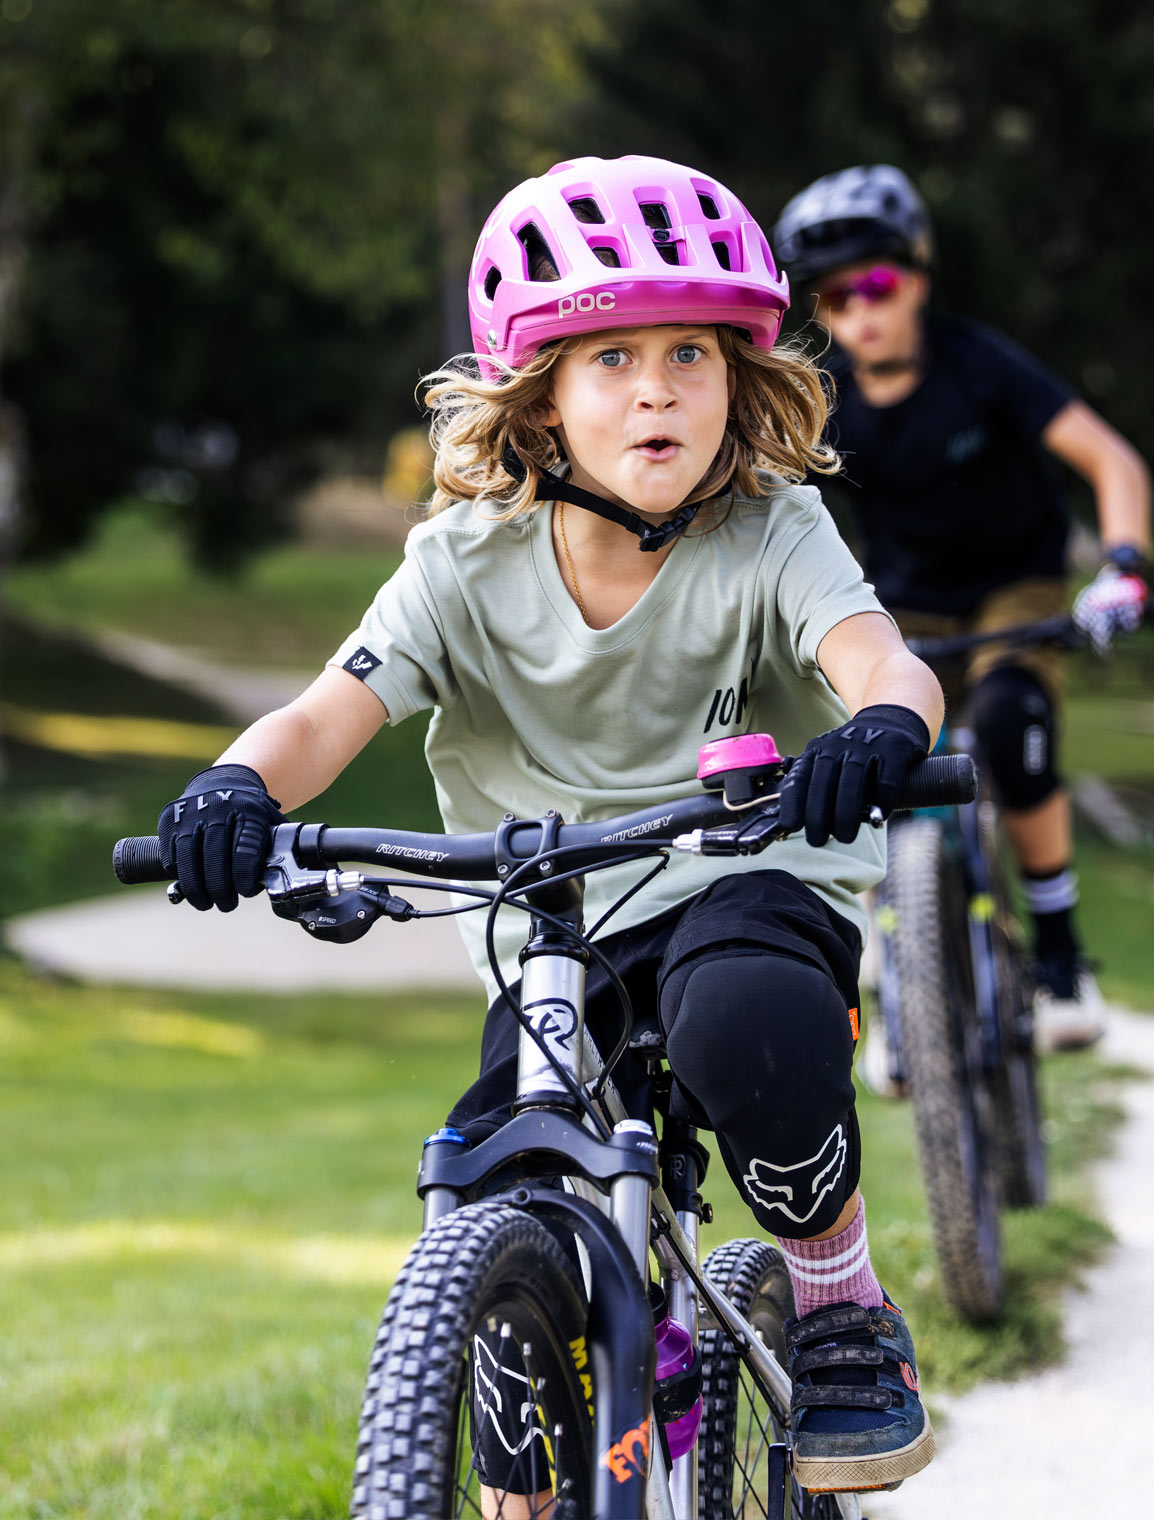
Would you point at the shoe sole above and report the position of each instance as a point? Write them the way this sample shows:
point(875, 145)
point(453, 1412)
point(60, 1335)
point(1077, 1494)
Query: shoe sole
point(884, 1470)
point(1051, 1046)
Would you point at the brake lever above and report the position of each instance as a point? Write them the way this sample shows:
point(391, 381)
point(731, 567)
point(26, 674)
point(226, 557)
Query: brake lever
point(747, 838)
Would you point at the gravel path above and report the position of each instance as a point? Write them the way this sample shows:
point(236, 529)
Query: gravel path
point(137, 937)
point(1072, 1443)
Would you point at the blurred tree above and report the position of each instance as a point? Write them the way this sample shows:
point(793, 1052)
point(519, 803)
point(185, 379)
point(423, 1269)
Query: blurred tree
point(1028, 124)
point(241, 224)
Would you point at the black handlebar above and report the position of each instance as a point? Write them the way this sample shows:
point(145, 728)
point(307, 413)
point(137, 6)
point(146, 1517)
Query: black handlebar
point(935, 782)
point(1059, 632)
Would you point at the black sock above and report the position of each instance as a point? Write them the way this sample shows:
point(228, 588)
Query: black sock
point(1051, 898)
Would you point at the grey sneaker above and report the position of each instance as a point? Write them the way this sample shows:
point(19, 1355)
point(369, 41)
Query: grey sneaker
point(1069, 1010)
point(858, 1417)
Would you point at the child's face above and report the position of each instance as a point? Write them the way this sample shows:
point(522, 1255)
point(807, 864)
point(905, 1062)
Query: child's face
point(642, 412)
point(873, 309)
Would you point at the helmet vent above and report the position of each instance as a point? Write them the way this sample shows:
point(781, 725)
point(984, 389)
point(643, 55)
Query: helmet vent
point(709, 207)
point(586, 209)
point(609, 256)
point(721, 249)
point(542, 264)
point(655, 215)
point(492, 280)
point(668, 252)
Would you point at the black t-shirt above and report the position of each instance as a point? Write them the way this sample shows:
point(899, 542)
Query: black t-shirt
point(952, 490)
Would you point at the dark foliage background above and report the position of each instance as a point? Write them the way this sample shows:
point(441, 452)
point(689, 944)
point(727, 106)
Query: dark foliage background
point(233, 232)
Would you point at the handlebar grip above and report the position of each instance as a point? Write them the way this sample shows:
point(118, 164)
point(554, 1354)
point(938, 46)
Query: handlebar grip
point(939, 781)
point(139, 859)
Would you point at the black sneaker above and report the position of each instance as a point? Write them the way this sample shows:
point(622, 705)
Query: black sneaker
point(858, 1419)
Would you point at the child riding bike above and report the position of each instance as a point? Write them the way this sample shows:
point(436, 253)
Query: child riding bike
point(627, 394)
point(949, 432)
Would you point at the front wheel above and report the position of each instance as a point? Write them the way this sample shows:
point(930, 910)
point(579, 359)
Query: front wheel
point(737, 1424)
point(951, 1100)
point(479, 1394)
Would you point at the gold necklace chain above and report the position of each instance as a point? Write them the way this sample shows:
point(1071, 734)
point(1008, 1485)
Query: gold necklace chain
point(569, 562)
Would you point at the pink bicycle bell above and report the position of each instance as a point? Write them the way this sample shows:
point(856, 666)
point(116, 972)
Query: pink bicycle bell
point(677, 1391)
point(746, 767)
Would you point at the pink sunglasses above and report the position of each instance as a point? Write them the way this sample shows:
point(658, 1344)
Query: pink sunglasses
point(877, 284)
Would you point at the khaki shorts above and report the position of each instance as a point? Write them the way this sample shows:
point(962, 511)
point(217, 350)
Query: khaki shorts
point(1023, 602)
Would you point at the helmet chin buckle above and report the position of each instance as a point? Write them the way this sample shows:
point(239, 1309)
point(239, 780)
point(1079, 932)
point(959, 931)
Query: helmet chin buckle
point(653, 536)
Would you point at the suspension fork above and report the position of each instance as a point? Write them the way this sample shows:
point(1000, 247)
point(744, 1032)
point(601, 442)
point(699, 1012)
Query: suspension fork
point(981, 906)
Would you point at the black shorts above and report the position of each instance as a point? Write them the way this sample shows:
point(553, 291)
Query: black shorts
point(751, 988)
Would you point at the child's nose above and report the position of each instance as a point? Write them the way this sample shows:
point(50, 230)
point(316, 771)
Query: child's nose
point(655, 390)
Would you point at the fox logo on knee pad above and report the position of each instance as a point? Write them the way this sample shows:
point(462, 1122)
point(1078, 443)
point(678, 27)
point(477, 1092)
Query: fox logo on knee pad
point(789, 1189)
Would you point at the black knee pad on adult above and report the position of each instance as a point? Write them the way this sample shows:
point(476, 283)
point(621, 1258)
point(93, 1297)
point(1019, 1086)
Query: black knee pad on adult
point(1014, 722)
point(763, 1045)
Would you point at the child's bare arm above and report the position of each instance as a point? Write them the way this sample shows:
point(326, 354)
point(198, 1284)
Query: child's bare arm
point(868, 665)
point(300, 749)
point(1114, 468)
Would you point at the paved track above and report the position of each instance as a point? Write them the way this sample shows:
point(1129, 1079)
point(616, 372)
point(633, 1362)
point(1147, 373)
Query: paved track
point(138, 937)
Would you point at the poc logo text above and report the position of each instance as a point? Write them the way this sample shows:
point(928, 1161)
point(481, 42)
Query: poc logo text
point(604, 300)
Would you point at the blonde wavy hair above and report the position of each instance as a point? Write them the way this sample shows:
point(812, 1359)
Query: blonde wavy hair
point(776, 418)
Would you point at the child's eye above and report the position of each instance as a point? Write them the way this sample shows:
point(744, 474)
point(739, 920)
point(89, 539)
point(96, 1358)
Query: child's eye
point(686, 353)
point(612, 358)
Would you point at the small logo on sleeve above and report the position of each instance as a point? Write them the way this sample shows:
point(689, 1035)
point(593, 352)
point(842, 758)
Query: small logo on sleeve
point(360, 663)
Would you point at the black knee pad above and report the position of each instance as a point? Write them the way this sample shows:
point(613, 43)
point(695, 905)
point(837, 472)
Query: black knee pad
point(1014, 723)
point(763, 1044)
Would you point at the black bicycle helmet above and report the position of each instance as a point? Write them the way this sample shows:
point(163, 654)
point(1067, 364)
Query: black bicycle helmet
point(870, 210)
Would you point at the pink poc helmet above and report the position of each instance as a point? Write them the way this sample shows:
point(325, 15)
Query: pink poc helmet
point(619, 242)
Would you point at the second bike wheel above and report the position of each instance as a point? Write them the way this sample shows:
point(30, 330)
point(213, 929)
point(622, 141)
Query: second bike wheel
point(951, 1099)
point(737, 1423)
point(478, 1378)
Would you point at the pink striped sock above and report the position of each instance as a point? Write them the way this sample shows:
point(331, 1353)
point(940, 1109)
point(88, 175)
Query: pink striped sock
point(833, 1271)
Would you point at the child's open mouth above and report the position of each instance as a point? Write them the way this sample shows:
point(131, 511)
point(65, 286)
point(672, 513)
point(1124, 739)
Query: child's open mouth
point(658, 448)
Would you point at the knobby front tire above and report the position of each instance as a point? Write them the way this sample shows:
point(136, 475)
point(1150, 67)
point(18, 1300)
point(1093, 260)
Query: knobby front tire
point(952, 1109)
point(737, 1424)
point(480, 1354)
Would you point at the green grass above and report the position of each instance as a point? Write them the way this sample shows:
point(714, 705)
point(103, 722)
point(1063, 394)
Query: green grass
point(202, 1204)
point(292, 606)
point(203, 1201)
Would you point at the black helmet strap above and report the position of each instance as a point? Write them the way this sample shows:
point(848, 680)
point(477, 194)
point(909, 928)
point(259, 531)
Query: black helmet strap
point(652, 535)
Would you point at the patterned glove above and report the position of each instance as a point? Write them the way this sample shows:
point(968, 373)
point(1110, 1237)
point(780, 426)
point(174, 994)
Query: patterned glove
point(215, 836)
point(839, 776)
point(1115, 600)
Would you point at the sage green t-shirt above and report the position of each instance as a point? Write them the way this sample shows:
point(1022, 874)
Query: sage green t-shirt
point(534, 710)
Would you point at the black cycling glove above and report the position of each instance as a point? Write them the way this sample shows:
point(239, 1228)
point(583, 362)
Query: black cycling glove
point(840, 775)
point(215, 836)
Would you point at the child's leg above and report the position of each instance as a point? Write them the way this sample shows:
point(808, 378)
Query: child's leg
point(763, 1042)
point(833, 1268)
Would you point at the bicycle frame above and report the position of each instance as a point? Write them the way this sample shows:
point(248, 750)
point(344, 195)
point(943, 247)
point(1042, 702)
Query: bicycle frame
point(647, 1200)
point(625, 1195)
